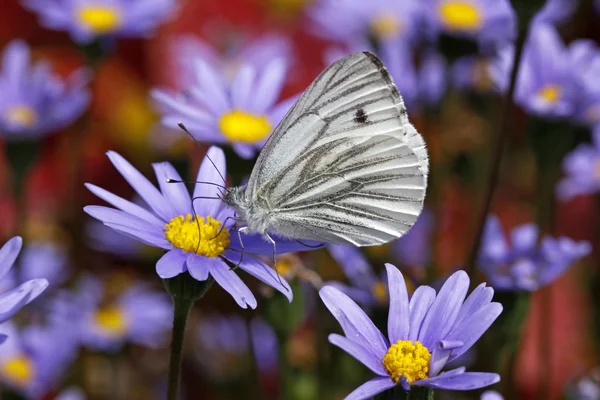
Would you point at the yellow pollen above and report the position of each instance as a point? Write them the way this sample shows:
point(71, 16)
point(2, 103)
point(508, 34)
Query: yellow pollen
point(238, 126)
point(111, 320)
point(550, 93)
point(197, 235)
point(284, 266)
point(18, 370)
point(407, 359)
point(100, 19)
point(460, 15)
point(21, 115)
point(380, 292)
point(385, 26)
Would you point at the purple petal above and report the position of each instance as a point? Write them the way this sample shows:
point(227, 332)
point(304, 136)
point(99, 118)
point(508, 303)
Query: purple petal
point(143, 187)
point(241, 88)
point(176, 193)
point(171, 264)
point(440, 355)
point(481, 296)
point(357, 326)
point(9, 253)
point(244, 150)
point(359, 352)
point(124, 205)
point(149, 238)
point(12, 300)
point(491, 395)
point(263, 272)
point(465, 381)
point(212, 173)
point(444, 310)
point(524, 238)
point(369, 389)
point(471, 329)
point(420, 302)
point(268, 87)
point(228, 280)
point(212, 87)
point(199, 266)
point(399, 315)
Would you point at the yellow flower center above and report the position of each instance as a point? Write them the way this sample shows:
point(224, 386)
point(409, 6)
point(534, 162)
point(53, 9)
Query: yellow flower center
point(18, 370)
point(407, 359)
point(460, 15)
point(111, 320)
point(550, 93)
point(21, 115)
point(197, 235)
point(380, 292)
point(238, 126)
point(100, 19)
point(385, 26)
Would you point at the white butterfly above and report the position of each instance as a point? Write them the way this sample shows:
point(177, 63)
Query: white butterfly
point(344, 166)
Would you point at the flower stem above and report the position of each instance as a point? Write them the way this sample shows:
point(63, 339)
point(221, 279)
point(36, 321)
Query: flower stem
point(397, 393)
point(184, 291)
point(497, 149)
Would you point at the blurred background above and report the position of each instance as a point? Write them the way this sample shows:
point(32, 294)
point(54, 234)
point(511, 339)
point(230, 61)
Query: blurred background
point(75, 85)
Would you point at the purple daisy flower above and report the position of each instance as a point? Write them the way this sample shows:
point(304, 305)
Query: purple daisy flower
point(198, 237)
point(556, 11)
point(367, 288)
point(87, 20)
point(242, 112)
point(257, 53)
point(425, 333)
point(491, 395)
point(545, 84)
point(353, 21)
point(584, 56)
point(432, 78)
point(521, 263)
point(13, 300)
point(138, 315)
point(33, 360)
point(582, 169)
point(487, 21)
point(35, 101)
point(414, 248)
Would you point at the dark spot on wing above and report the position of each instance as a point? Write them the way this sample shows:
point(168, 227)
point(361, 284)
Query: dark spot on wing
point(360, 116)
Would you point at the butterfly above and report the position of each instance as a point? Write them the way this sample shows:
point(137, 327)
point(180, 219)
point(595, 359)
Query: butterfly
point(344, 166)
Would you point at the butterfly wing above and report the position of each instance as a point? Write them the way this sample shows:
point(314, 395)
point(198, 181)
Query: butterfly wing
point(345, 165)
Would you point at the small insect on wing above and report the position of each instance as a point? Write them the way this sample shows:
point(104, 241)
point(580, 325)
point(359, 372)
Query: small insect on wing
point(345, 165)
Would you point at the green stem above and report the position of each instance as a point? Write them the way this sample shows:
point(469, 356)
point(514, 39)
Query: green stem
point(498, 148)
point(181, 309)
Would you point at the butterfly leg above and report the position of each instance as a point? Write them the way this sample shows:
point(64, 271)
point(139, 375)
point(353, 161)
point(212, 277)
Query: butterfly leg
point(270, 239)
point(239, 233)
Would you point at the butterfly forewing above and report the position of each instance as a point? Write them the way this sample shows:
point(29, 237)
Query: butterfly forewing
point(343, 166)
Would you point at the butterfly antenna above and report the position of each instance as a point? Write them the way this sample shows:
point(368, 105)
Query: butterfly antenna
point(183, 128)
point(169, 180)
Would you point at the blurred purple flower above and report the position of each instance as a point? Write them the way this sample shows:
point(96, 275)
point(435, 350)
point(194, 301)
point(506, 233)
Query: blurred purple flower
point(585, 388)
point(556, 11)
point(44, 260)
point(398, 60)
point(71, 394)
point(584, 56)
point(35, 101)
point(191, 233)
point(491, 395)
point(414, 248)
point(138, 315)
point(87, 20)
point(354, 22)
point(519, 262)
point(472, 73)
point(222, 340)
point(432, 78)
point(13, 300)
point(367, 288)
point(545, 84)
point(107, 240)
point(256, 53)
point(242, 112)
point(487, 21)
point(425, 333)
point(582, 169)
point(33, 360)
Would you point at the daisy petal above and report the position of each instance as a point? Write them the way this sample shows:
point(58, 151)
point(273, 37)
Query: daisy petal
point(263, 272)
point(175, 193)
point(171, 264)
point(420, 302)
point(117, 217)
point(241, 88)
point(9, 253)
point(464, 381)
point(355, 323)
point(228, 280)
point(481, 296)
point(399, 315)
point(199, 266)
point(143, 187)
point(12, 300)
point(473, 327)
point(211, 170)
point(149, 238)
point(370, 388)
point(269, 85)
point(359, 352)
